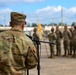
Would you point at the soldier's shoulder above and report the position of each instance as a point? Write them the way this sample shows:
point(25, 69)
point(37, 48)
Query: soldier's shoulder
point(28, 40)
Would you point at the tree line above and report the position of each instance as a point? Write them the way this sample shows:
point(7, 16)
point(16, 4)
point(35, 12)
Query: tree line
point(43, 25)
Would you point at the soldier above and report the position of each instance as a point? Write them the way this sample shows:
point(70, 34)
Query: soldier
point(17, 51)
point(35, 36)
point(74, 41)
point(66, 41)
point(71, 41)
point(58, 41)
point(52, 37)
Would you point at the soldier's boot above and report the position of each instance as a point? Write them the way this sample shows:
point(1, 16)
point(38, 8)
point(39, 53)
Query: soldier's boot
point(59, 52)
point(73, 53)
point(64, 53)
point(56, 53)
point(70, 51)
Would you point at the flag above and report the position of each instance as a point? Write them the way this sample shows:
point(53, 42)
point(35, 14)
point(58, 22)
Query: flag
point(40, 30)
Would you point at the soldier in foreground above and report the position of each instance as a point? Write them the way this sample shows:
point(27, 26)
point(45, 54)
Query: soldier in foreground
point(52, 38)
point(17, 51)
point(58, 41)
point(66, 41)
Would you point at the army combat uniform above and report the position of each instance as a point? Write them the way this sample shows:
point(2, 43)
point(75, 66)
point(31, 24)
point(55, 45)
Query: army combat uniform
point(74, 43)
point(36, 37)
point(58, 42)
point(66, 42)
point(52, 38)
point(17, 51)
point(71, 42)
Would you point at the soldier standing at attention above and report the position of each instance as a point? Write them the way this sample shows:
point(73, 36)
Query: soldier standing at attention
point(52, 37)
point(71, 41)
point(66, 41)
point(17, 51)
point(58, 41)
point(74, 41)
point(35, 36)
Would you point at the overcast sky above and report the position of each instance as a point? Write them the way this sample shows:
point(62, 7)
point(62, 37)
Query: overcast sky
point(46, 11)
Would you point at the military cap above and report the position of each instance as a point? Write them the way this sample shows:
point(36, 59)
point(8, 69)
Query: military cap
point(65, 25)
point(74, 25)
point(35, 29)
point(57, 25)
point(17, 17)
point(52, 28)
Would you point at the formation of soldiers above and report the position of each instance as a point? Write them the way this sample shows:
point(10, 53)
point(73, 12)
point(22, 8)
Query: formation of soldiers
point(69, 41)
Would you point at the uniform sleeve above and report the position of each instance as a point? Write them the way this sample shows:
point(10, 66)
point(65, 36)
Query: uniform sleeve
point(47, 36)
point(61, 35)
point(31, 57)
point(3, 53)
point(55, 36)
point(70, 35)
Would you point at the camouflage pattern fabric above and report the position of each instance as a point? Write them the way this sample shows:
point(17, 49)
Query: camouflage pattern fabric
point(71, 42)
point(58, 42)
point(66, 42)
point(52, 38)
point(35, 36)
point(17, 53)
point(17, 18)
point(74, 43)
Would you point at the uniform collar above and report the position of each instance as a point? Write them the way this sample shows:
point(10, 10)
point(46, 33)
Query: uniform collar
point(16, 29)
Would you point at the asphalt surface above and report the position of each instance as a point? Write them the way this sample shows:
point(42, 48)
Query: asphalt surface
point(56, 66)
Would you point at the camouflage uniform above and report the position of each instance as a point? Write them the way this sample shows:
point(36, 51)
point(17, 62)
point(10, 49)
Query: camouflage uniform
point(71, 42)
point(17, 52)
point(52, 38)
point(35, 36)
point(58, 42)
point(66, 42)
point(74, 42)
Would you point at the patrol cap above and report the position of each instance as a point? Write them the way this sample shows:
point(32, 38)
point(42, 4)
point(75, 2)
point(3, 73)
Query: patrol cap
point(52, 29)
point(35, 29)
point(74, 25)
point(17, 18)
point(65, 25)
point(57, 25)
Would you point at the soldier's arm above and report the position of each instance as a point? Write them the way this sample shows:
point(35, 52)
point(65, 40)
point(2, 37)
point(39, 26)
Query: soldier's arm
point(55, 36)
point(61, 35)
point(31, 59)
point(70, 35)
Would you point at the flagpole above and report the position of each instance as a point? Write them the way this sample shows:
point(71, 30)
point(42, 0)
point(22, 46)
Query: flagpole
point(41, 33)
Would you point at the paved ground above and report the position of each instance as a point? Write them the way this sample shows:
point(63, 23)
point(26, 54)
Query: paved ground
point(56, 66)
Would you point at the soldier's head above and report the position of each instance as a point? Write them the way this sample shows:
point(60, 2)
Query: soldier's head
point(17, 20)
point(57, 27)
point(65, 27)
point(35, 30)
point(75, 27)
point(52, 29)
point(70, 29)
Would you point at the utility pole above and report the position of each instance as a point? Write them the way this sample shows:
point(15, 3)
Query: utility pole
point(52, 22)
point(4, 20)
point(61, 15)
